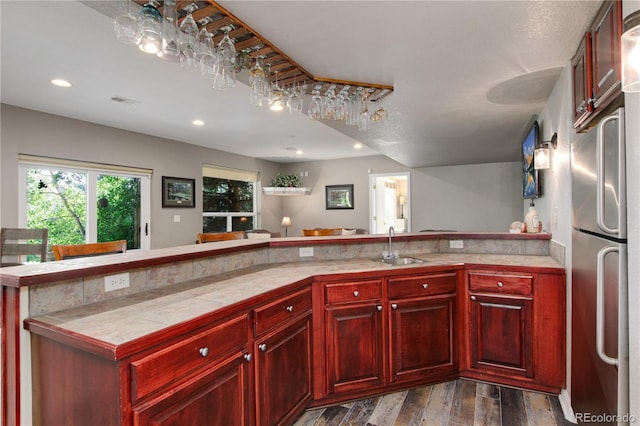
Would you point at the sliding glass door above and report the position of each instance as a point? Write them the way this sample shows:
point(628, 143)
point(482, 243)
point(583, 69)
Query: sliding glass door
point(86, 205)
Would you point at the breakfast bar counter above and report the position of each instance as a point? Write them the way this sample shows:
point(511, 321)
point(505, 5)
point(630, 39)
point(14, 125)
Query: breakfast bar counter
point(170, 291)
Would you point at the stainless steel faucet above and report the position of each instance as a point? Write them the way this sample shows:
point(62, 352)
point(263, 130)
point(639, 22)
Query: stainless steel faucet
point(392, 233)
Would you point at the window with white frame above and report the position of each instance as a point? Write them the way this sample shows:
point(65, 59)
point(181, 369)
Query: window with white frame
point(228, 199)
point(81, 202)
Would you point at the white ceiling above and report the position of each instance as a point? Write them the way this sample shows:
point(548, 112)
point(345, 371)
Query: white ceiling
point(468, 75)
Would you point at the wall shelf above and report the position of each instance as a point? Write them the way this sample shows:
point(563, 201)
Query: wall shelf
point(273, 190)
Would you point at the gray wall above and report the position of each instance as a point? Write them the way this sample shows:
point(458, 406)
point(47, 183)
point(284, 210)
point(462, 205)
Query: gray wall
point(483, 197)
point(479, 197)
point(30, 132)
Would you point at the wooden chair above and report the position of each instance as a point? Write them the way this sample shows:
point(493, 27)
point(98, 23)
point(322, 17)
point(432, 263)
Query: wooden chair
point(16, 242)
point(220, 236)
point(261, 233)
point(72, 251)
point(321, 232)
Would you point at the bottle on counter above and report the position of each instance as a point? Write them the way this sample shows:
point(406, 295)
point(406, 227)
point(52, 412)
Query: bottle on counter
point(532, 219)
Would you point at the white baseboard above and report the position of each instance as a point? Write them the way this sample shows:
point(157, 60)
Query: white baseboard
point(565, 403)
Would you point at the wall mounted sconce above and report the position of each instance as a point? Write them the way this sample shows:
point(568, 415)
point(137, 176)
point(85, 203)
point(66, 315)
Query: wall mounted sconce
point(631, 53)
point(286, 222)
point(541, 157)
point(401, 200)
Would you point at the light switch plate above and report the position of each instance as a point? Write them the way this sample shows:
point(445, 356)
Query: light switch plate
point(456, 244)
point(306, 251)
point(176, 218)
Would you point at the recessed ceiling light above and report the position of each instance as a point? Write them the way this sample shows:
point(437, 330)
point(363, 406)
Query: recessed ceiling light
point(197, 123)
point(299, 152)
point(60, 82)
point(358, 145)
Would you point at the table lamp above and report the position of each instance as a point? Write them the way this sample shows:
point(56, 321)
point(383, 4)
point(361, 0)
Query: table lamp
point(286, 222)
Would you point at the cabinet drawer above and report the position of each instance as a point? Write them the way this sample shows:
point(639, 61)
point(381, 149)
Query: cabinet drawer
point(520, 284)
point(281, 310)
point(353, 292)
point(174, 362)
point(422, 285)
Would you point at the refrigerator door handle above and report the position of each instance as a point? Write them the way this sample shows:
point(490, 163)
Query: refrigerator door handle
point(600, 183)
point(600, 306)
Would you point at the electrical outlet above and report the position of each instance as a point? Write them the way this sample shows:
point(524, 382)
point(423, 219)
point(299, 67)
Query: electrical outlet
point(116, 281)
point(456, 244)
point(176, 218)
point(306, 251)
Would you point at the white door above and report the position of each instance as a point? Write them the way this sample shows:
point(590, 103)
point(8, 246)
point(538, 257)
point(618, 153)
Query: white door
point(389, 202)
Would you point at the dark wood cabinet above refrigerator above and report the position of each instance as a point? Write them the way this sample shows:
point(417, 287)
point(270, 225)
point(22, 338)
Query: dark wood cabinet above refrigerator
point(596, 66)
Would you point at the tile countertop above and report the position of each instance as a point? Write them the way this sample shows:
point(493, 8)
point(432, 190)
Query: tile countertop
point(39, 273)
point(119, 321)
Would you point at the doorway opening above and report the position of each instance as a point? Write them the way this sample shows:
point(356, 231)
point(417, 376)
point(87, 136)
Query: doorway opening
point(390, 202)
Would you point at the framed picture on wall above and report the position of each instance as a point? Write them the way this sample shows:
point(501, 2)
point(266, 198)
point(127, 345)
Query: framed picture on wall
point(530, 178)
point(339, 196)
point(178, 192)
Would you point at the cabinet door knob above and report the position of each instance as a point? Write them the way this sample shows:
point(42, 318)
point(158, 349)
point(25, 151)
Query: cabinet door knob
point(473, 298)
point(356, 293)
point(247, 357)
point(262, 347)
point(204, 351)
point(425, 285)
point(289, 308)
point(500, 284)
point(379, 308)
point(394, 306)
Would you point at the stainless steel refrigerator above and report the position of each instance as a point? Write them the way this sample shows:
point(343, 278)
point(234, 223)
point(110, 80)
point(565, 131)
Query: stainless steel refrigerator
point(599, 319)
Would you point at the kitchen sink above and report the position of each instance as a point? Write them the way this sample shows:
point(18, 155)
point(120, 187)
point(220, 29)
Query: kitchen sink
point(398, 261)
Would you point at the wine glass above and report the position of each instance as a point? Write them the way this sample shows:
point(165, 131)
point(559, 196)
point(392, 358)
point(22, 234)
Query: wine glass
point(170, 46)
point(226, 51)
point(126, 27)
point(188, 35)
point(258, 82)
point(295, 102)
point(278, 98)
point(315, 105)
point(209, 59)
point(150, 26)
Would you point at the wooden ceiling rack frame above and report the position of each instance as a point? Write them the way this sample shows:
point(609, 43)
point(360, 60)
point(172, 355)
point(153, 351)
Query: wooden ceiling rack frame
point(251, 44)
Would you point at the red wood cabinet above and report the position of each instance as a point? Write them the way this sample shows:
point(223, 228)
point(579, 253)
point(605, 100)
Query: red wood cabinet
point(353, 335)
point(385, 333)
point(422, 338)
point(354, 347)
point(515, 328)
point(248, 367)
point(283, 358)
point(581, 79)
point(422, 326)
point(596, 66)
point(218, 396)
point(345, 336)
point(501, 334)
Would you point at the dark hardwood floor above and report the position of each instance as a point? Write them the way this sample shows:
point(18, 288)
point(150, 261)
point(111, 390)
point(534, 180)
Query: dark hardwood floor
point(454, 403)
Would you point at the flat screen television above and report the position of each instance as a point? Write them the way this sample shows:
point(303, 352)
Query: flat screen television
point(530, 178)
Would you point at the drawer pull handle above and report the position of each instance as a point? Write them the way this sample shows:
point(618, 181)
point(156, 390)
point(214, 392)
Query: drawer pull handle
point(500, 284)
point(247, 357)
point(204, 351)
point(356, 293)
point(425, 286)
point(289, 308)
point(473, 298)
point(379, 308)
point(262, 347)
point(394, 306)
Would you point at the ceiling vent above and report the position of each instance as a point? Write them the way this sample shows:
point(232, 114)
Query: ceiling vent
point(123, 100)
